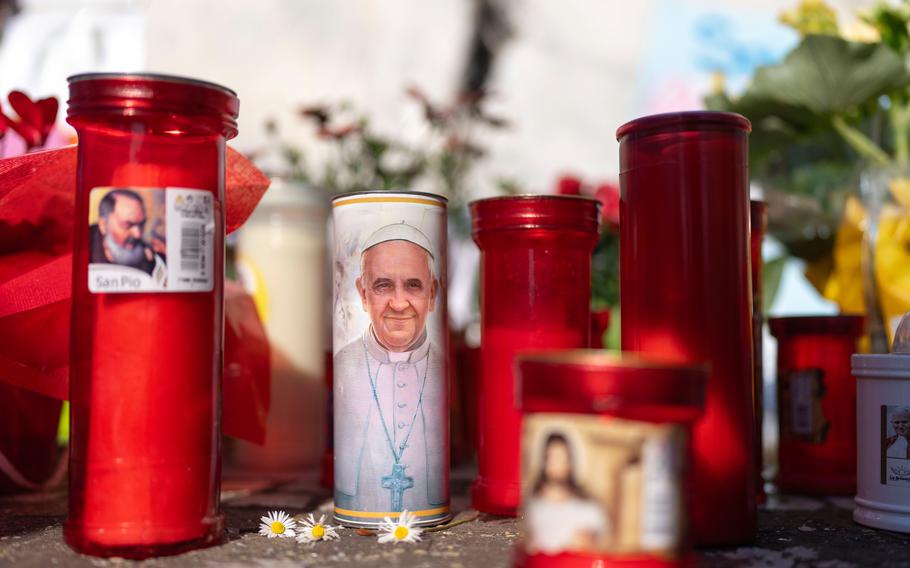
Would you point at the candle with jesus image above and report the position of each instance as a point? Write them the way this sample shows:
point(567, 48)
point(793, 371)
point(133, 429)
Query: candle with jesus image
point(390, 383)
point(605, 447)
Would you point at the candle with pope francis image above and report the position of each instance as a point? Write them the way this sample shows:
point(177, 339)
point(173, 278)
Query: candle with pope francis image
point(390, 358)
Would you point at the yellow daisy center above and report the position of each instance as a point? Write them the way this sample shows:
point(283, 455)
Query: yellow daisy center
point(401, 532)
point(278, 527)
point(318, 531)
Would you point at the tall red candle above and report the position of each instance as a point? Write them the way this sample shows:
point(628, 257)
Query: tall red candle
point(146, 341)
point(685, 291)
point(758, 220)
point(816, 403)
point(535, 292)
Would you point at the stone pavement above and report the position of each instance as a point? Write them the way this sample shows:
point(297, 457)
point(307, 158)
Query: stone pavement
point(794, 532)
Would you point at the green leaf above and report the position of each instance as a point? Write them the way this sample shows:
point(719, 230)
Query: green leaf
point(772, 274)
point(891, 23)
point(829, 75)
point(613, 335)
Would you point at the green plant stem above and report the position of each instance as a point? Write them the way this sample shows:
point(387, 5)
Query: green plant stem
point(860, 142)
point(899, 114)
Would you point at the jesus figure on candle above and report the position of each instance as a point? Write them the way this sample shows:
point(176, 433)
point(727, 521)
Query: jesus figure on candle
point(390, 396)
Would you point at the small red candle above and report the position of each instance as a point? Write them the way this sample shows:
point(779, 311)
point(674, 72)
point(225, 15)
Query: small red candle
point(685, 291)
point(147, 325)
point(535, 293)
point(606, 447)
point(816, 403)
point(758, 222)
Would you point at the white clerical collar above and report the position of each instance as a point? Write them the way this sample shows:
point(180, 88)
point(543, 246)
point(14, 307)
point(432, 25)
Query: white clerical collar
point(417, 353)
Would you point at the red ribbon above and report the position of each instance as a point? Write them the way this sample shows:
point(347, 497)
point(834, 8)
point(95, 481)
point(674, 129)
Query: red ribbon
point(36, 228)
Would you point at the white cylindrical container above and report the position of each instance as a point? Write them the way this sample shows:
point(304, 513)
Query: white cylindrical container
point(281, 260)
point(390, 358)
point(883, 436)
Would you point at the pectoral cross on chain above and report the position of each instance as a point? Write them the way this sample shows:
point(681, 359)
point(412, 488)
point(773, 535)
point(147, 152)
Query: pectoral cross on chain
point(397, 482)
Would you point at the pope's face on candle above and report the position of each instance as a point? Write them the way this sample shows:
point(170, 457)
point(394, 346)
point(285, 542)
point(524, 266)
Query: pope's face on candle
point(398, 290)
point(901, 423)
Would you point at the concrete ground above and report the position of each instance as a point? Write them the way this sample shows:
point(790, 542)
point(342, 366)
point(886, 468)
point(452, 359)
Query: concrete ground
point(793, 532)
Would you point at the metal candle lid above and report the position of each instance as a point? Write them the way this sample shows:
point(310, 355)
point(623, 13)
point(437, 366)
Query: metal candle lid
point(895, 365)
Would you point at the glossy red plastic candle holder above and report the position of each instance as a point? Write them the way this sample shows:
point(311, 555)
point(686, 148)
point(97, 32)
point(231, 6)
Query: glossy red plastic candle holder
point(816, 403)
point(685, 291)
point(758, 222)
point(146, 351)
point(535, 293)
point(606, 447)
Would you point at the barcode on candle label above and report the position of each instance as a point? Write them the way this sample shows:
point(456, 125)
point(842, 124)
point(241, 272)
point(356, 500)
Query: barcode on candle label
point(151, 240)
point(191, 225)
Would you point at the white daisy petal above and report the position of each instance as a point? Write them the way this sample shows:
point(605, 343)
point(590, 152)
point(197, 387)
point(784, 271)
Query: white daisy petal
point(401, 531)
point(278, 524)
point(307, 530)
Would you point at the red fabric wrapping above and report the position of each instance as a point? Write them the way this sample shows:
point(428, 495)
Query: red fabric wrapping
point(246, 367)
point(36, 228)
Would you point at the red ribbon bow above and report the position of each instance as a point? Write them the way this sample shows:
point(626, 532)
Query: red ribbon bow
point(36, 118)
point(36, 227)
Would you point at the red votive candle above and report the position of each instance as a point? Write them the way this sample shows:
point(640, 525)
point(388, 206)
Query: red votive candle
point(605, 454)
point(685, 292)
point(816, 403)
point(147, 325)
point(535, 292)
point(758, 221)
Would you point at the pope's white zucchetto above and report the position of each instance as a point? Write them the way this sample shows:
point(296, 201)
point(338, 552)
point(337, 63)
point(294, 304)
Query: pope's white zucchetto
point(399, 232)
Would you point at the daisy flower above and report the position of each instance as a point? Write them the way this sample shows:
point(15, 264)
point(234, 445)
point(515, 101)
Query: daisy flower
point(277, 524)
point(402, 531)
point(313, 530)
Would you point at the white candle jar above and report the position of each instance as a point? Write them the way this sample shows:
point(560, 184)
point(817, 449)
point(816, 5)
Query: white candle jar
point(282, 262)
point(883, 436)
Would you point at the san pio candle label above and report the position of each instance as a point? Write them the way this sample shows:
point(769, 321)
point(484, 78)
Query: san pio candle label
point(602, 485)
point(390, 383)
point(150, 240)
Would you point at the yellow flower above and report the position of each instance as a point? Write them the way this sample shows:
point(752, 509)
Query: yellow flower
point(862, 32)
point(840, 278)
point(811, 17)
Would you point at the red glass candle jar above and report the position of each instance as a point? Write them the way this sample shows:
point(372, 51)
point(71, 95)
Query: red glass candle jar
point(685, 291)
point(758, 223)
point(605, 448)
point(816, 403)
point(147, 323)
point(535, 293)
